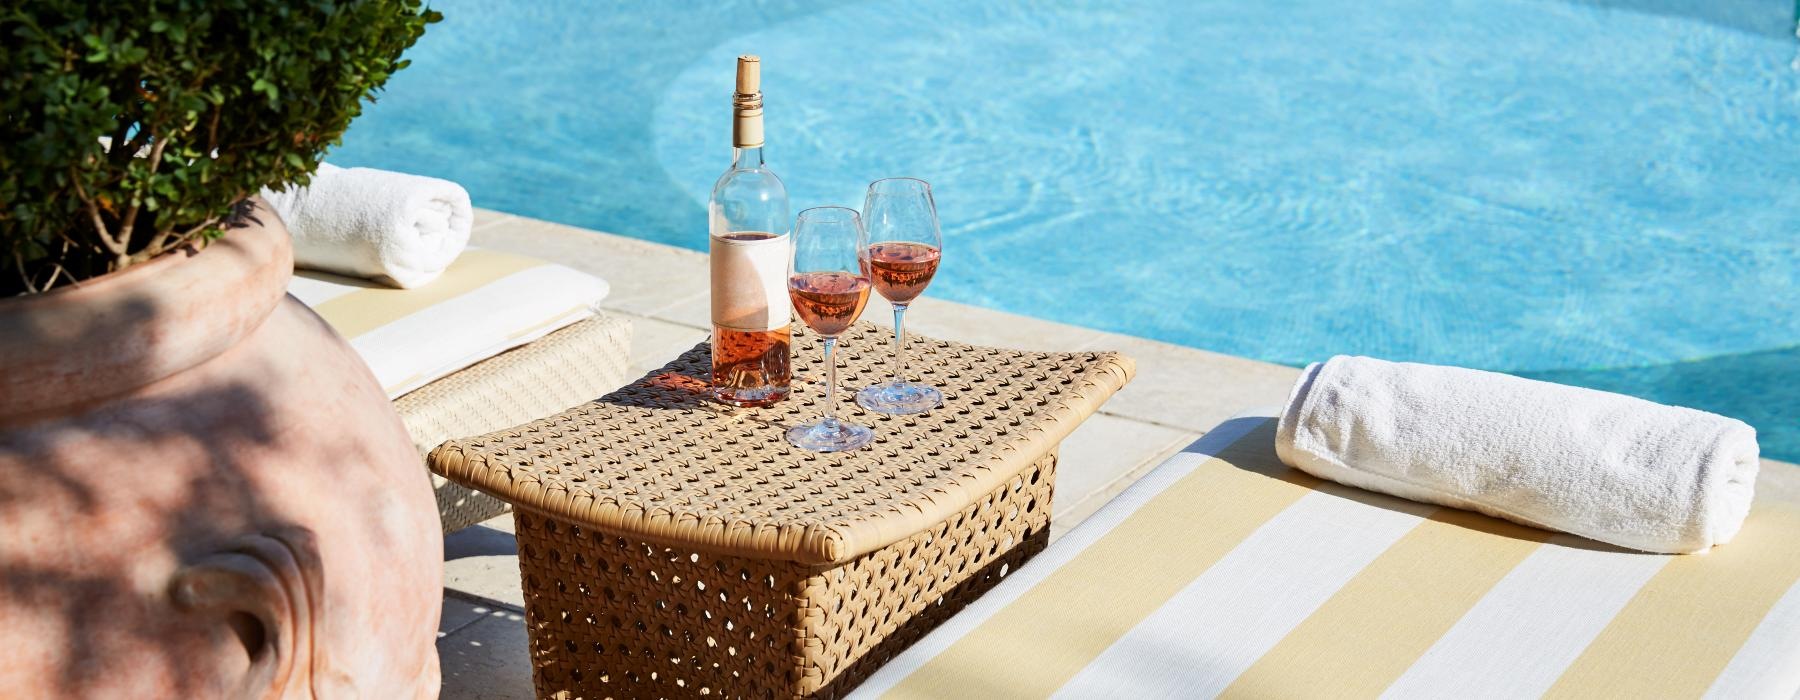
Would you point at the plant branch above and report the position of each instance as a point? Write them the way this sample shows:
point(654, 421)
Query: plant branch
point(24, 275)
point(93, 208)
point(212, 133)
point(56, 270)
point(137, 201)
point(172, 239)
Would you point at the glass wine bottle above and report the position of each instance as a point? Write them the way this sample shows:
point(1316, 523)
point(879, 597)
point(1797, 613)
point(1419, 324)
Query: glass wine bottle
point(748, 224)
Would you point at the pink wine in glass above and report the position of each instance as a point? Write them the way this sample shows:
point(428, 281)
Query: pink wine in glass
point(828, 301)
point(900, 270)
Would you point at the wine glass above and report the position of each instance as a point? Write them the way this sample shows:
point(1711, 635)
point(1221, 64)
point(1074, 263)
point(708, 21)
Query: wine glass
point(829, 287)
point(902, 255)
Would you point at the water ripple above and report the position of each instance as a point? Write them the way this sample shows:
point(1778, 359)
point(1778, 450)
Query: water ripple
point(1526, 185)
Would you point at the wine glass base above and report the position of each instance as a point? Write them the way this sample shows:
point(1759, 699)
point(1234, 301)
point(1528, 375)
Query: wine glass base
point(899, 398)
point(829, 436)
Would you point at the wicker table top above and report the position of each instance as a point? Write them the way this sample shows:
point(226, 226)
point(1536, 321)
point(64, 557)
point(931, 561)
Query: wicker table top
point(659, 461)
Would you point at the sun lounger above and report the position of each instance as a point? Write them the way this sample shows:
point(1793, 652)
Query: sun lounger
point(1223, 572)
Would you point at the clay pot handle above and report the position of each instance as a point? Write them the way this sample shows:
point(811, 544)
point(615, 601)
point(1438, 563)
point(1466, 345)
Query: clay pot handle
point(261, 588)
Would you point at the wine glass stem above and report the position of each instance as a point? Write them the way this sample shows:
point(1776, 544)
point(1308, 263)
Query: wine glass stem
point(830, 382)
point(899, 343)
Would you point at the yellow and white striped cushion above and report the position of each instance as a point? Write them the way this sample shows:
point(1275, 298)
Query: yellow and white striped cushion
point(1224, 573)
point(488, 302)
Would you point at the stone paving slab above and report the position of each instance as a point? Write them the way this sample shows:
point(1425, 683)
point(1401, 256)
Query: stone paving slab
point(485, 217)
point(1191, 389)
point(487, 659)
point(1105, 455)
point(482, 562)
point(457, 614)
point(655, 341)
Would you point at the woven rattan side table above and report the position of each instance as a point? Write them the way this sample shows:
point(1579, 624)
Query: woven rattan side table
point(671, 546)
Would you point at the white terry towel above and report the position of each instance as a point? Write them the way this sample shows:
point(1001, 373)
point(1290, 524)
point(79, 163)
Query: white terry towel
point(1612, 468)
point(397, 229)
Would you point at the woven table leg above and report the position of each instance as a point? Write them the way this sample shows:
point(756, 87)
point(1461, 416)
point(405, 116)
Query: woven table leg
point(614, 617)
point(866, 611)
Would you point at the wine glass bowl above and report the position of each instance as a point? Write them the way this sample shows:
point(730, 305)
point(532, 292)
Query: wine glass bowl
point(901, 269)
point(829, 301)
point(829, 286)
point(901, 256)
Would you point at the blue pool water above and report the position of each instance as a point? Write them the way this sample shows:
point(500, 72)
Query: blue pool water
point(1597, 192)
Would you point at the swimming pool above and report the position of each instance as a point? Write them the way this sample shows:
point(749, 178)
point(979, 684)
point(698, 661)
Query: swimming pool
point(1597, 192)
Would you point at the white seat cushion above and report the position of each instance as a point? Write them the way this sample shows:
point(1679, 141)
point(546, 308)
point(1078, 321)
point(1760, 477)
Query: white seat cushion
point(488, 302)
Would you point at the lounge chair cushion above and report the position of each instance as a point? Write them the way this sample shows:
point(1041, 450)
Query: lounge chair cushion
point(1223, 572)
point(486, 303)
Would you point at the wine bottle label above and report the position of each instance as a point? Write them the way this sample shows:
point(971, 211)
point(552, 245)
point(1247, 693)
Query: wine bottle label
point(749, 281)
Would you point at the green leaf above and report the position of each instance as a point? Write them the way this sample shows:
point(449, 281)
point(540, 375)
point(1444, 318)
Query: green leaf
point(246, 94)
point(267, 88)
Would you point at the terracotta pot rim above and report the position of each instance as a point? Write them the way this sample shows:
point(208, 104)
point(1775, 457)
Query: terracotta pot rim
point(98, 285)
point(115, 333)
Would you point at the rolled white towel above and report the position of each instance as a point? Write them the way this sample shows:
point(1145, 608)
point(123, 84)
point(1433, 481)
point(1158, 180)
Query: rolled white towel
point(398, 229)
point(1608, 467)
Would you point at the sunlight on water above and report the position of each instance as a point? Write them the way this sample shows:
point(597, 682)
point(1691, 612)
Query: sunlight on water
point(1599, 192)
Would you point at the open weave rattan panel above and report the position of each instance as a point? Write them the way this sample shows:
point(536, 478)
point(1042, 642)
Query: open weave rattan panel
point(657, 461)
point(614, 616)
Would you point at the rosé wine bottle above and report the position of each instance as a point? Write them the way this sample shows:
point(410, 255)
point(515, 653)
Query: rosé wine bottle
point(747, 221)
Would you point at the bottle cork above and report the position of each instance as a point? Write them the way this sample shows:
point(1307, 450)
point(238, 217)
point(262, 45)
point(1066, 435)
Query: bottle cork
point(749, 74)
point(747, 125)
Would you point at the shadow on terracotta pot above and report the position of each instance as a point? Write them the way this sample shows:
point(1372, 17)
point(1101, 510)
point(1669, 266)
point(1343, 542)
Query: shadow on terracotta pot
point(204, 493)
point(121, 530)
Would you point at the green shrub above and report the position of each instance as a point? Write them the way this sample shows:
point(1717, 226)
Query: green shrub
point(205, 101)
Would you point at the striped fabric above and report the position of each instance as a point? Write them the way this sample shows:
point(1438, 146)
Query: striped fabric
point(488, 302)
point(1224, 573)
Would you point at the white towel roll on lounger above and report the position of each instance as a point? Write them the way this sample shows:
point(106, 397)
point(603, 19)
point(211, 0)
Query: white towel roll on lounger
point(393, 228)
point(1612, 468)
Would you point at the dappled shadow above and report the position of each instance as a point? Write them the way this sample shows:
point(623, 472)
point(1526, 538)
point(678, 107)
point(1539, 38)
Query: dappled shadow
point(177, 511)
point(683, 383)
point(158, 540)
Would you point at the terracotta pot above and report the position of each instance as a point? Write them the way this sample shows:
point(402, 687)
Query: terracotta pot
point(204, 493)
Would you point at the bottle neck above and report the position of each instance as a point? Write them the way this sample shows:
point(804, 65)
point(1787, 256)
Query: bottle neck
point(747, 158)
point(747, 125)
